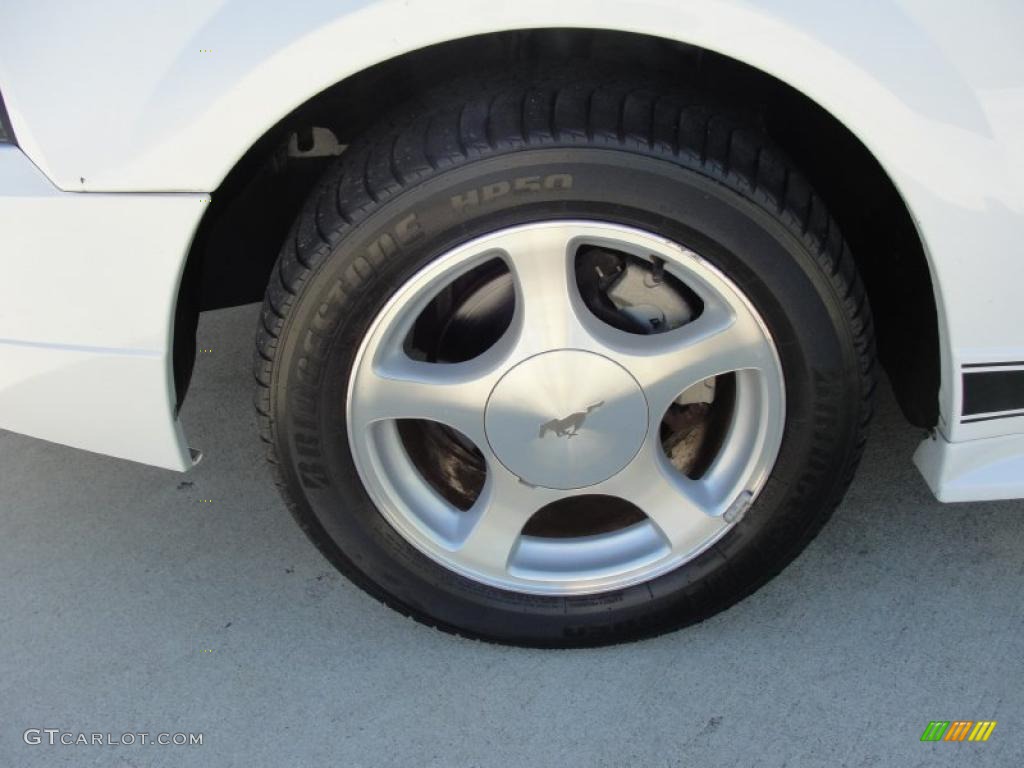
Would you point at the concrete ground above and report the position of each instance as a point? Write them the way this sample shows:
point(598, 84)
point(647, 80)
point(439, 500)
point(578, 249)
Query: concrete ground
point(130, 604)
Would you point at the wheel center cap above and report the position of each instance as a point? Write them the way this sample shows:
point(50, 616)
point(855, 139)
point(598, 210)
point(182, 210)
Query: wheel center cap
point(566, 419)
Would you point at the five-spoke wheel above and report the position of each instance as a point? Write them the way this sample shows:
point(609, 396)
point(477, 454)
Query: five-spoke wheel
point(562, 404)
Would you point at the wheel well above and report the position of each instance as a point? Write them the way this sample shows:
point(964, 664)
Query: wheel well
point(251, 211)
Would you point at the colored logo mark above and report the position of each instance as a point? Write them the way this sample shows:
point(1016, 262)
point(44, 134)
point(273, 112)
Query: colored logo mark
point(958, 730)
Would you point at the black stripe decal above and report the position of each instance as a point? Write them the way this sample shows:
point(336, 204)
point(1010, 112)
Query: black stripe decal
point(993, 391)
point(1017, 364)
point(992, 418)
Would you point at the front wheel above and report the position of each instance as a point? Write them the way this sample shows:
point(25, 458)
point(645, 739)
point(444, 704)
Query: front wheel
point(560, 362)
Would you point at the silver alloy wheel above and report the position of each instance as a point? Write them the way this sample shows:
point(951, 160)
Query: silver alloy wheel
point(564, 404)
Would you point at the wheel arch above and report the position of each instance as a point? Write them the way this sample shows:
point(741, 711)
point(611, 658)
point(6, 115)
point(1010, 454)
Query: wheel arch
point(230, 258)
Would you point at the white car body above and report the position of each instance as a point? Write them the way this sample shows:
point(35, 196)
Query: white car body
point(128, 115)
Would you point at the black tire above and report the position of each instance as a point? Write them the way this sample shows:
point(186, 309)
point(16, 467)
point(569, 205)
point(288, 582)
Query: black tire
point(650, 157)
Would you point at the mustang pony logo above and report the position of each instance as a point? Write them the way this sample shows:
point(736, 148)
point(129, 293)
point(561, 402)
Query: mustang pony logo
point(570, 425)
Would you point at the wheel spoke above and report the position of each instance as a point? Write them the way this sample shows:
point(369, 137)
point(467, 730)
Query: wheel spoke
point(547, 308)
point(498, 517)
point(717, 342)
point(684, 510)
point(452, 394)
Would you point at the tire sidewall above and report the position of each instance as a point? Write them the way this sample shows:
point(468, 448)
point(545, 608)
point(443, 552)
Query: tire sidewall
point(763, 252)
